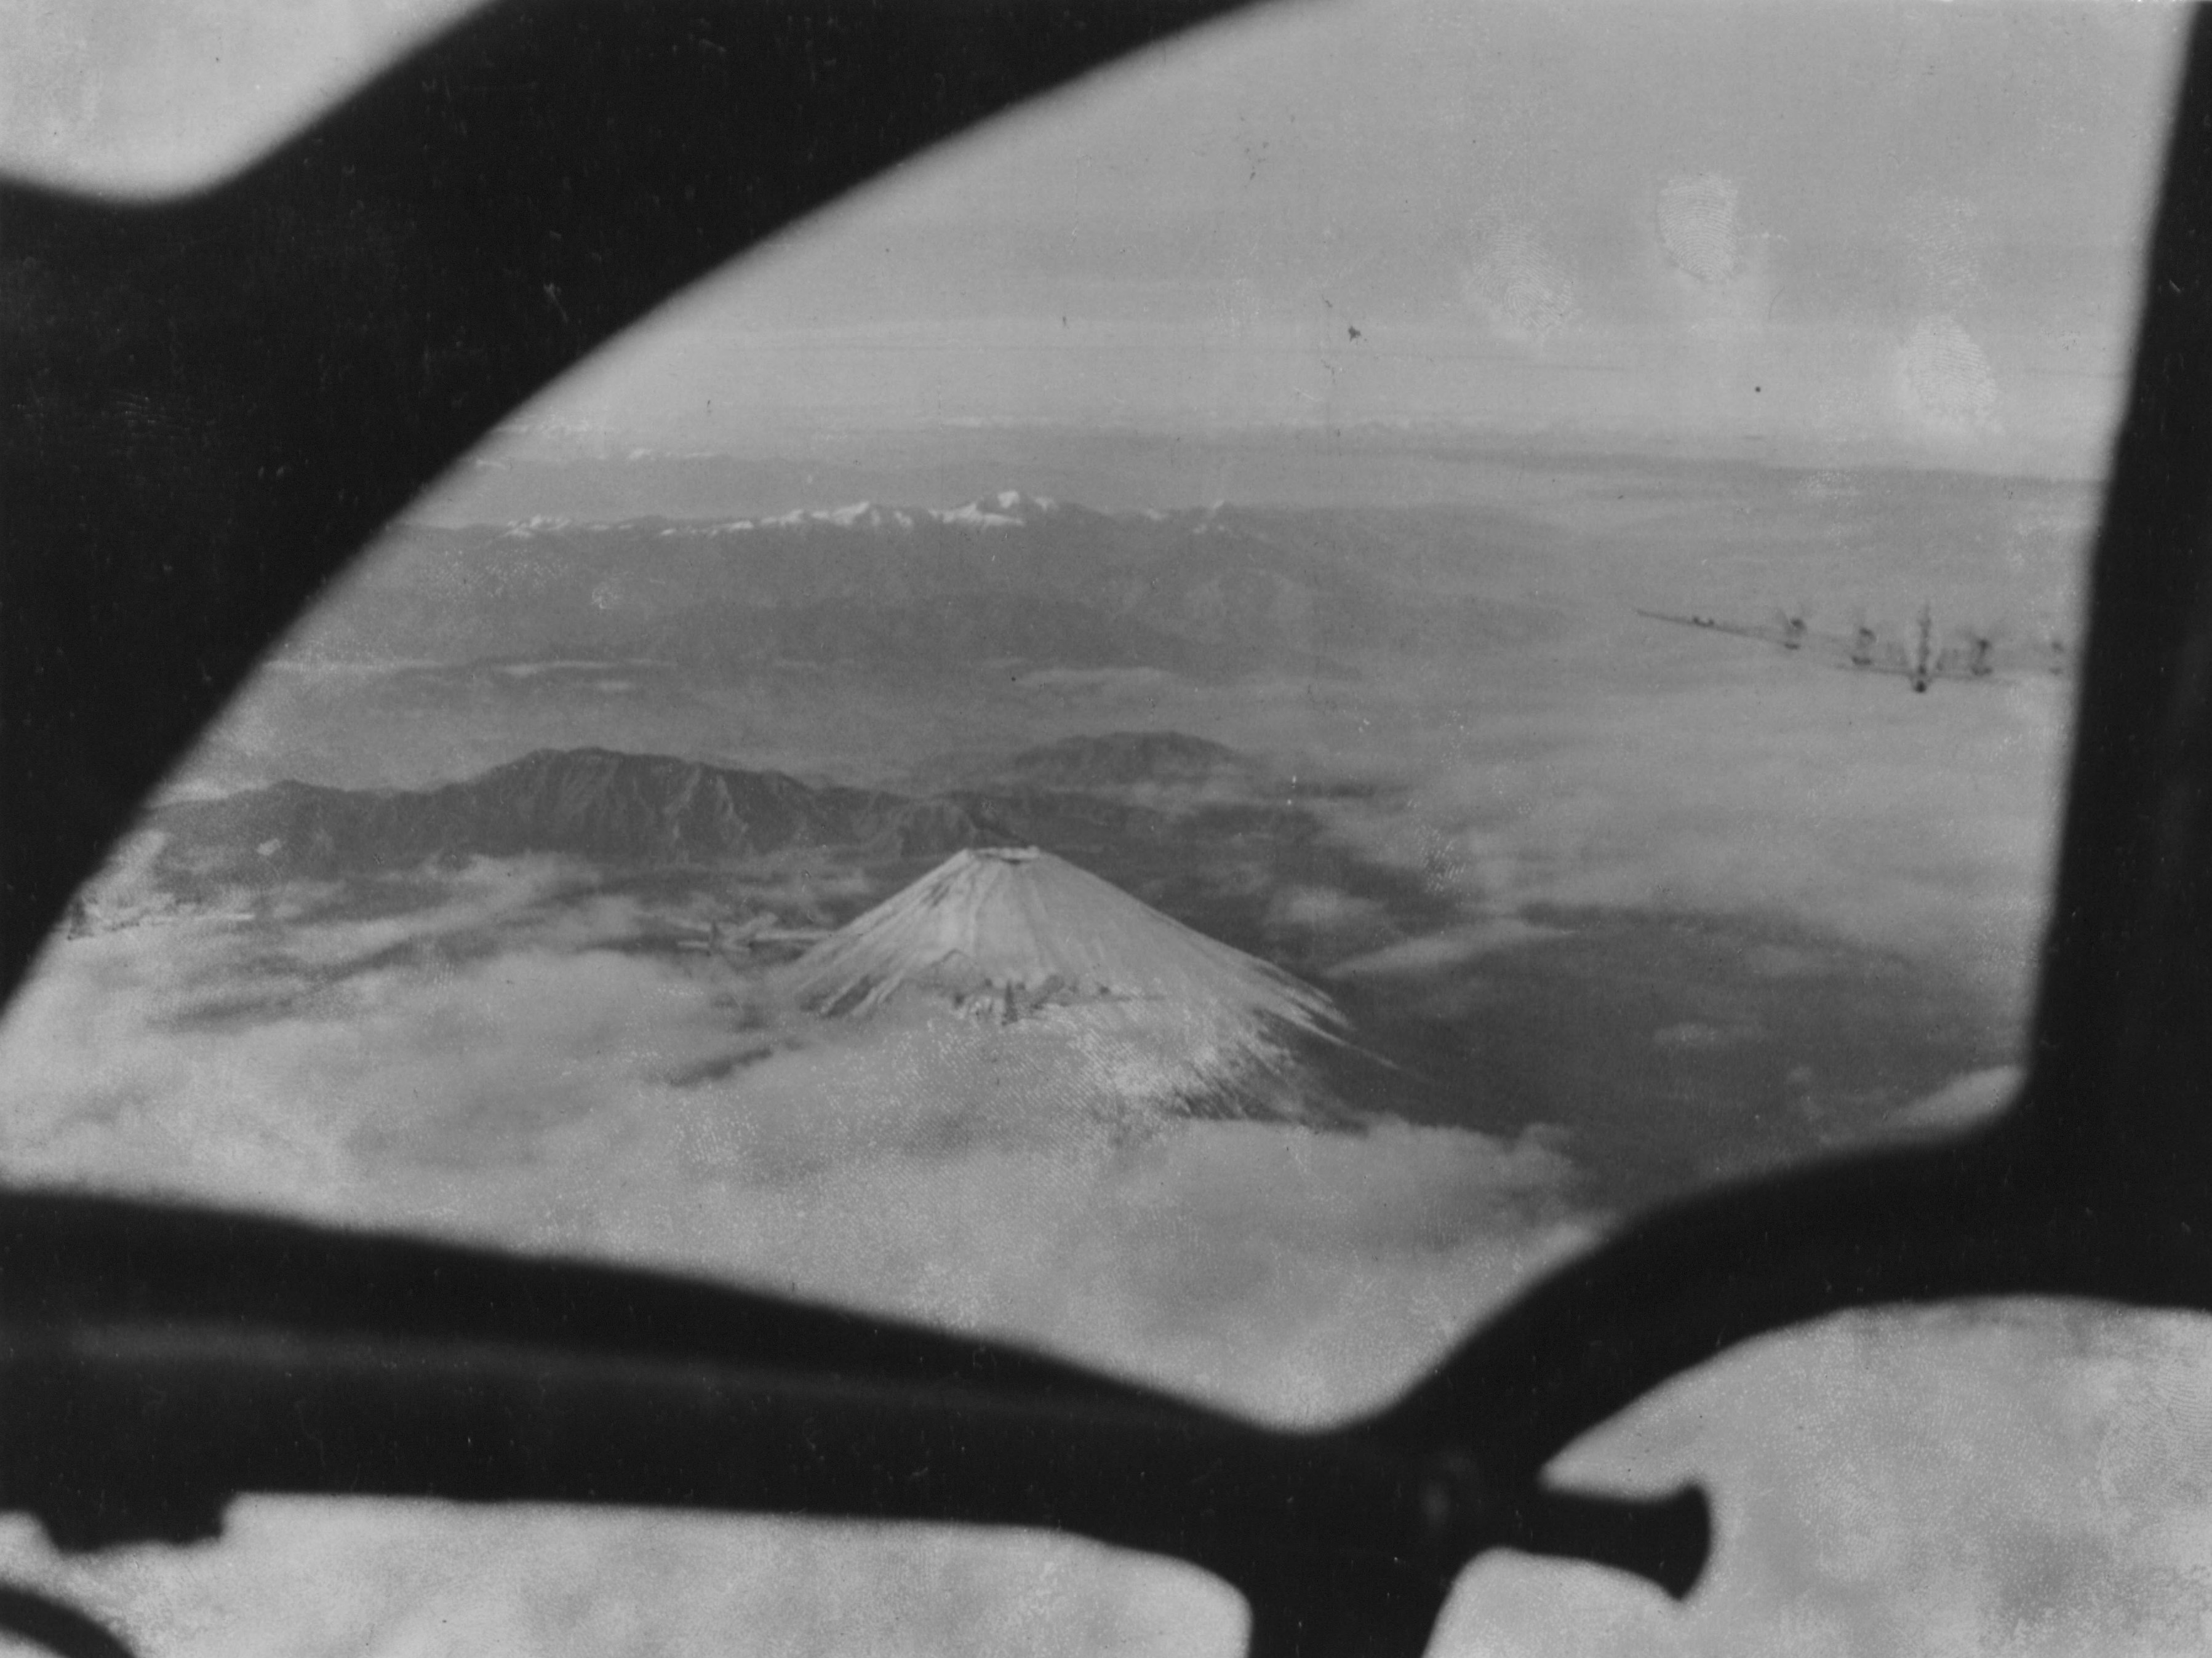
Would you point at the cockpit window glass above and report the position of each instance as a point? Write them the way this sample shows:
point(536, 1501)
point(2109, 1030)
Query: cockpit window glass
point(2002, 1477)
point(145, 96)
point(1211, 727)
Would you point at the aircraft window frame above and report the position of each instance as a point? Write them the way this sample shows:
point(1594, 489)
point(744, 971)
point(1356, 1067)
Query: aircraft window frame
point(144, 1350)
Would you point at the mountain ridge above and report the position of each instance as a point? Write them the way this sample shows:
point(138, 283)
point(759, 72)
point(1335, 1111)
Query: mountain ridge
point(596, 802)
point(1008, 577)
point(621, 807)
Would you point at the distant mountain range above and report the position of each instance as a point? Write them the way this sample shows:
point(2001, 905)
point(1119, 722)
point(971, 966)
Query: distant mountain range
point(629, 808)
point(1007, 510)
point(589, 802)
point(1009, 579)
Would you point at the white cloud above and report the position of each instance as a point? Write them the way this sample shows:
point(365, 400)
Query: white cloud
point(526, 1096)
point(1962, 1103)
point(1451, 947)
point(410, 1580)
point(2013, 1478)
point(1963, 1481)
point(611, 1103)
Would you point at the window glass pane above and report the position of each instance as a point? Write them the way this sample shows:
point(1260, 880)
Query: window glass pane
point(316, 1580)
point(2002, 1477)
point(1211, 728)
point(152, 95)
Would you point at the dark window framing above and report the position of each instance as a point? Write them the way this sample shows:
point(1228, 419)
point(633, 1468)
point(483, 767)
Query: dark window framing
point(207, 405)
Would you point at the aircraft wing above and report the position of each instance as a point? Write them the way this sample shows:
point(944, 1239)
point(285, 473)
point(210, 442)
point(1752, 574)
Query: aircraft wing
point(1882, 656)
point(1790, 636)
point(1981, 658)
point(1772, 633)
point(1966, 658)
point(1966, 662)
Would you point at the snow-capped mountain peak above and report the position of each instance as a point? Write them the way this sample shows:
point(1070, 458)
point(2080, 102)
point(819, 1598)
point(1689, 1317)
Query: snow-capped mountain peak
point(859, 515)
point(1006, 508)
point(1000, 921)
point(1036, 957)
point(538, 525)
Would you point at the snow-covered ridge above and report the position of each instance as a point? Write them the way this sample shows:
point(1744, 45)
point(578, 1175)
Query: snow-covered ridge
point(861, 514)
point(1006, 509)
point(541, 524)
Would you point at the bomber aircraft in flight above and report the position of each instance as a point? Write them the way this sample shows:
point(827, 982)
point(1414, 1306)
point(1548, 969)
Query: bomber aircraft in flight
point(1969, 654)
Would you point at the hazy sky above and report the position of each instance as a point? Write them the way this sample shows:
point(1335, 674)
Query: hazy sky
point(1911, 227)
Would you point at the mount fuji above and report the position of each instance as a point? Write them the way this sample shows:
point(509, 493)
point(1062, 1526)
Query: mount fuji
point(1013, 971)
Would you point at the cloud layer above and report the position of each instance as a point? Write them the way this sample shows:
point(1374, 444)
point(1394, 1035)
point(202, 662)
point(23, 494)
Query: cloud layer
point(1994, 1480)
